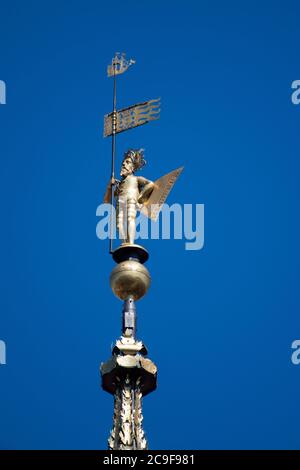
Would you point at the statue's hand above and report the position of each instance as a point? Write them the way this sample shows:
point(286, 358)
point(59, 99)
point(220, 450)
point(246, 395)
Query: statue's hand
point(112, 182)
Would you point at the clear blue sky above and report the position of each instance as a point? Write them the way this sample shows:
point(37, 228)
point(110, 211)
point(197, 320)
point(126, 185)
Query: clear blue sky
point(219, 322)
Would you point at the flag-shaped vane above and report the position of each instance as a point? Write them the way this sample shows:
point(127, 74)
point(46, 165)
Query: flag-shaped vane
point(119, 65)
point(131, 117)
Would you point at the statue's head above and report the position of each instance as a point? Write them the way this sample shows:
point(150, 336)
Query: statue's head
point(133, 160)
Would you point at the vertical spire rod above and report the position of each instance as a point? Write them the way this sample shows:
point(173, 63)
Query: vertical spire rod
point(114, 125)
point(113, 155)
point(129, 318)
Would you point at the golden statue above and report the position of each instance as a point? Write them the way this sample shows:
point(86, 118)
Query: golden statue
point(134, 193)
point(130, 193)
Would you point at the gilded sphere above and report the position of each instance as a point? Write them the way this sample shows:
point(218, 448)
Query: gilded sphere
point(130, 278)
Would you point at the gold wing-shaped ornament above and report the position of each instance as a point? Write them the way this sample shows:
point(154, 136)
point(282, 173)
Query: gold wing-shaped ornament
point(162, 188)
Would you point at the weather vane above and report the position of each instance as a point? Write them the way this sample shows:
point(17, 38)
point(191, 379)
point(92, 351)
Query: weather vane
point(129, 375)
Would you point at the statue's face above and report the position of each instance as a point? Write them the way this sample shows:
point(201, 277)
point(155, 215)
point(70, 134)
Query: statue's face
point(127, 167)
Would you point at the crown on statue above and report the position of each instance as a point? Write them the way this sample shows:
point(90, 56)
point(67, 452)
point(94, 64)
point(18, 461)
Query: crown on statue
point(137, 158)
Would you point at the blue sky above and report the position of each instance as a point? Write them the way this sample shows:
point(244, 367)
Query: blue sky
point(218, 322)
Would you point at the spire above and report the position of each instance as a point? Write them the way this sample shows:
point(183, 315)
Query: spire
point(128, 375)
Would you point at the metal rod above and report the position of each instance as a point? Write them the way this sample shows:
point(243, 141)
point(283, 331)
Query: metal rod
point(114, 123)
point(129, 318)
point(113, 154)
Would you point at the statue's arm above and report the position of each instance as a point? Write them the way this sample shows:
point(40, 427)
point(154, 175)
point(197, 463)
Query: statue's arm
point(147, 187)
point(107, 195)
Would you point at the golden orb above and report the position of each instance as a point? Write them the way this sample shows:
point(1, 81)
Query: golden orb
point(130, 278)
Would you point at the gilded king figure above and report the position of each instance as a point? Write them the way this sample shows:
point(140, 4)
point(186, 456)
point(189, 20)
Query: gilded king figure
point(131, 193)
